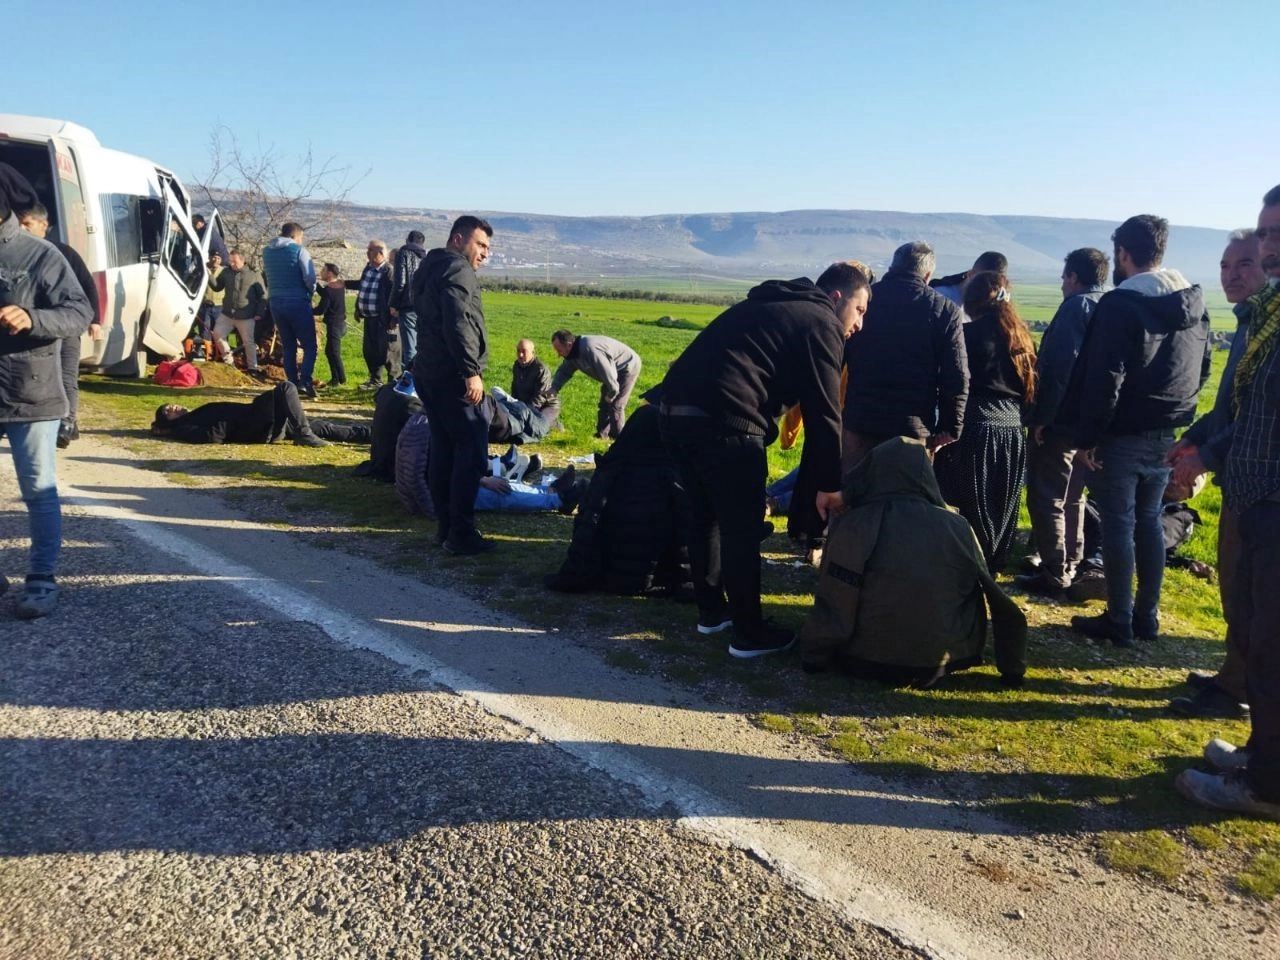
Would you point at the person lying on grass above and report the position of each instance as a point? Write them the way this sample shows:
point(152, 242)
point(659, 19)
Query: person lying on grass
point(269, 418)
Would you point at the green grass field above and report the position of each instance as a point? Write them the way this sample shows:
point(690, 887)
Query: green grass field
point(1085, 750)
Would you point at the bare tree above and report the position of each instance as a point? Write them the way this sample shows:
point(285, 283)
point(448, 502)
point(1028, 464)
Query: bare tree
point(258, 191)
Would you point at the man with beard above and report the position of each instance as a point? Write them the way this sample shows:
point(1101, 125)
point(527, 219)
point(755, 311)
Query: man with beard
point(1247, 780)
point(453, 354)
point(720, 400)
point(1145, 359)
point(1204, 447)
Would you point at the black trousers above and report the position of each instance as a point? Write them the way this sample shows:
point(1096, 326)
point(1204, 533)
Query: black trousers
point(458, 458)
point(333, 353)
point(289, 420)
point(1257, 603)
point(375, 346)
point(71, 375)
point(724, 474)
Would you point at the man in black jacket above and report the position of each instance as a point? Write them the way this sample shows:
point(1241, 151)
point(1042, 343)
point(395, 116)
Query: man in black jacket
point(908, 373)
point(1146, 356)
point(35, 220)
point(780, 346)
point(1055, 486)
point(269, 418)
point(40, 304)
point(453, 354)
point(408, 258)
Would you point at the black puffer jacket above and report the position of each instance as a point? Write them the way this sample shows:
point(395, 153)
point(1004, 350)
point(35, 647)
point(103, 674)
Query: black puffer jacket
point(629, 534)
point(36, 277)
point(1145, 358)
point(908, 372)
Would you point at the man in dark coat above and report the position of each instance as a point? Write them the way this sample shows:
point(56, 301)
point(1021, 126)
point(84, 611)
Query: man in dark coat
point(720, 400)
point(453, 354)
point(908, 372)
point(408, 259)
point(35, 220)
point(269, 418)
point(41, 303)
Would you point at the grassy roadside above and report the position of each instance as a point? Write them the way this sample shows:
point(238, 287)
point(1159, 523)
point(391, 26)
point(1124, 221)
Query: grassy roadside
point(1085, 750)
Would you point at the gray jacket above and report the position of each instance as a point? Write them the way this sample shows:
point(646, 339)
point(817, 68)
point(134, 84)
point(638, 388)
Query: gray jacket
point(243, 293)
point(1212, 433)
point(601, 358)
point(36, 277)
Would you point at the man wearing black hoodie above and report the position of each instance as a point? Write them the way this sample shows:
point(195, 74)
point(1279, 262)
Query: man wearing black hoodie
point(408, 258)
point(448, 372)
point(1145, 358)
point(780, 346)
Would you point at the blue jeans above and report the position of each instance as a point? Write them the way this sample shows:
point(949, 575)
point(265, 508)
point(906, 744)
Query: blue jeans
point(297, 327)
point(782, 490)
point(408, 321)
point(524, 497)
point(34, 446)
point(1129, 489)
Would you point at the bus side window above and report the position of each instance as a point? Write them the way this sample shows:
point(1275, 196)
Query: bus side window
point(154, 225)
point(120, 216)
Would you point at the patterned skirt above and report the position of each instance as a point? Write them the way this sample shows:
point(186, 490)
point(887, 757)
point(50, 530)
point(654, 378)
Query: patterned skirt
point(982, 474)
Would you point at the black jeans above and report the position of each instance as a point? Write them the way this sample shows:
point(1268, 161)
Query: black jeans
point(333, 353)
point(375, 346)
point(71, 375)
point(724, 474)
point(1257, 603)
point(458, 458)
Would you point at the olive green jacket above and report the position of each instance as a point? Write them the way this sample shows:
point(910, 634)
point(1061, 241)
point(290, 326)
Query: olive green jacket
point(903, 583)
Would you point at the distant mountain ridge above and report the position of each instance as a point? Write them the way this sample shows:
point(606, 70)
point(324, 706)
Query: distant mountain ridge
point(756, 245)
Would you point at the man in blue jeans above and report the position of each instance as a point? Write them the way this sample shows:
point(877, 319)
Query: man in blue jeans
point(1145, 358)
point(41, 304)
point(291, 278)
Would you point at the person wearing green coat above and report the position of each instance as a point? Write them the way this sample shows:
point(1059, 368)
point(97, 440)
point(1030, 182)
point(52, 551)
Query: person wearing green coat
point(904, 593)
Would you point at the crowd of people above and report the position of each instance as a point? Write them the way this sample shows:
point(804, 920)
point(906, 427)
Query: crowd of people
point(926, 409)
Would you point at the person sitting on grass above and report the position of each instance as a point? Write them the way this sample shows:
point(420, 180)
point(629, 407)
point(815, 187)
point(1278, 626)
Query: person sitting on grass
point(413, 452)
point(904, 590)
point(269, 418)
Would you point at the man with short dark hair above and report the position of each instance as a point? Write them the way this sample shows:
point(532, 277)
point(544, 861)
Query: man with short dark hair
point(291, 279)
point(952, 287)
point(448, 371)
point(35, 220)
point(1145, 359)
point(408, 258)
point(1247, 780)
point(244, 300)
point(1055, 486)
point(719, 403)
point(41, 303)
point(373, 308)
point(1204, 447)
point(908, 370)
point(610, 362)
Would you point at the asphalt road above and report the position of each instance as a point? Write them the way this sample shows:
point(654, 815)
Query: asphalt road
point(230, 742)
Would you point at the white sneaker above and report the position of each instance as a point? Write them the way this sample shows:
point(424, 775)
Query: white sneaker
point(1224, 791)
point(1225, 757)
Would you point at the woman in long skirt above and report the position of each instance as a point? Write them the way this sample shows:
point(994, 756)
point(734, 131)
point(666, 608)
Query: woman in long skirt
point(982, 473)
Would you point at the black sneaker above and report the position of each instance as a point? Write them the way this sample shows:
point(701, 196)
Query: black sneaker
point(1100, 627)
point(309, 439)
point(1201, 681)
point(67, 431)
point(712, 623)
point(1040, 585)
point(468, 546)
point(1090, 584)
point(771, 640)
point(1212, 703)
point(307, 390)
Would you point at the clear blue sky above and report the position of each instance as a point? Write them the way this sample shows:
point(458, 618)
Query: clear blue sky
point(1082, 109)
